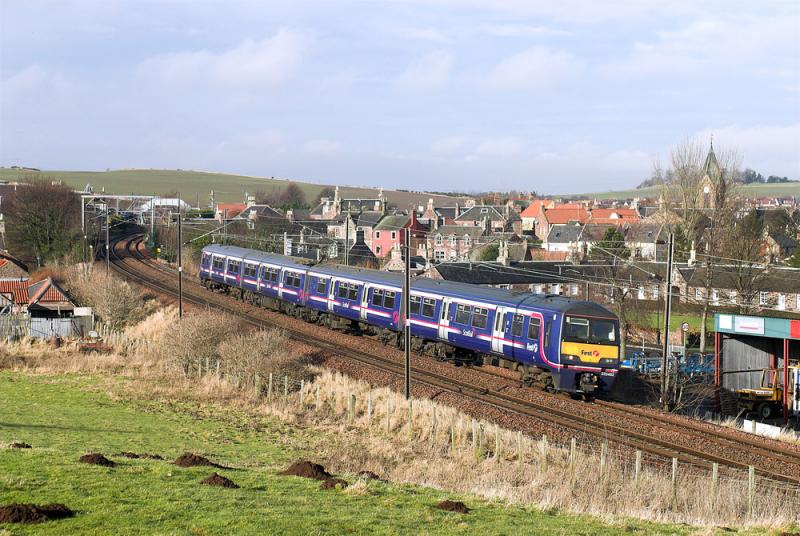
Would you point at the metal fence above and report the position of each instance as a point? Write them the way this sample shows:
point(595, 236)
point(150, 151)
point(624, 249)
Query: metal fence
point(18, 326)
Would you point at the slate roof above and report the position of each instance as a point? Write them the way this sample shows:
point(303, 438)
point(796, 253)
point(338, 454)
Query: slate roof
point(369, 218)
point(447, 212)
point(594, 232)
point(646, 233)
point(477, 213)
point(783, 240)
point(392, 223)
point(458, 230)
point(260, 211)
point(726, 277)
point(12, 267)
point(564, 234)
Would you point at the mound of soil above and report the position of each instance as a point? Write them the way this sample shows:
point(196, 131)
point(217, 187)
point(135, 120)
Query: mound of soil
point(33, 513)
point(150, 456)
point(145, 455)
point(97, 459)
point(188, 459)
point(307, 469)
point(131, 455)
point(219, 480)
point(331, 483)
point(369, 475)
point(453, 506)
point(19, 446)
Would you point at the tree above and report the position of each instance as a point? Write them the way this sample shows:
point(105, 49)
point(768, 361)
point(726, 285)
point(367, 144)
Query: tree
point(325, 192)
point(749, 176)
point(612, 255)
point(490, 253)
point(43, 220)
point(794, 260)
point(294, 197)
point(742, 247)
point(682, 245)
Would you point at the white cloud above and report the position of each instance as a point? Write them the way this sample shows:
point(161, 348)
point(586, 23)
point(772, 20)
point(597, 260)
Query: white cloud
point(268, 62)
point(431, 71)
point(32, 84)
point(522, 30)
point(423, 34)
point(500, 147)
point(534, 68)
point(448, 146)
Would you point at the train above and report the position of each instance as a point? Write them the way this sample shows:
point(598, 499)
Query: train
point(559, 343)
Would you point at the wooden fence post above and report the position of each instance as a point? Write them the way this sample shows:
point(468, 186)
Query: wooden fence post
point(369, 408)
point(388, 416)
point(319, 397)
point(543, 449)
point(714, 480)
point(674, 483)
point(637, 468)
point(497, 443)
point(519, 447)
point(474, 436)
point(751, 489)
point(257, 384)
point(603, 450)
point(302, 392)
point(452, 436)
point(351, 411)
point(434, 424)
point(269, 387)
point(573, 446)
point(480, 440)
point(285, 385)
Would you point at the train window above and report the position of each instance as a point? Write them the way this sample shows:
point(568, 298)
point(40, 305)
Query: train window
point(480, 318)
point(233, 266)
point(322, 285)
point(377, 297)
point(204, 260)
point(219, 263)
point(273, 275)
point(533, 329)
point(250, 270)
point(429, 307)
point(352, 292)
point(416, 304)
point(292, 279)
point(516, 325)
point(388, 300)
point(547, 325)
point(463, 312)
point(342, 292)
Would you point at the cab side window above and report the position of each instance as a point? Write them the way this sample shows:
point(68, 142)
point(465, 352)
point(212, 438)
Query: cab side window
point(534, 328)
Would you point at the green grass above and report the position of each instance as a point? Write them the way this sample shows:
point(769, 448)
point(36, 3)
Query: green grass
point(227, 188)
point(64, 417)
point(749, 190)
point(656, 321)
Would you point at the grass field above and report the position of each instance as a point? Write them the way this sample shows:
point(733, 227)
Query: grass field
point(65, 416)
point(656, 321)
point(191, 184)
point(749, 190)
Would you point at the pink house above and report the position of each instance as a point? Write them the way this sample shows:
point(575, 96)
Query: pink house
point(389, 233)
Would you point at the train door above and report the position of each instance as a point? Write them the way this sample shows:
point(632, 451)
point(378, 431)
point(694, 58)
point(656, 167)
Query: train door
point(364, 301)
point(499, 331)
point(444, 319)
point(331, 293)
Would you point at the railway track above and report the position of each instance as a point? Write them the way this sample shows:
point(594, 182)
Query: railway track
point(130, 262)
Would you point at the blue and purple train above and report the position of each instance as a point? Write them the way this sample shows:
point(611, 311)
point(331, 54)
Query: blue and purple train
point(563, 344)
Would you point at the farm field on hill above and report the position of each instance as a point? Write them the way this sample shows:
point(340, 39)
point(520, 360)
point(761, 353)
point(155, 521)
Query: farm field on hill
point(227, 188)
point(64, 417)
point(750, 190)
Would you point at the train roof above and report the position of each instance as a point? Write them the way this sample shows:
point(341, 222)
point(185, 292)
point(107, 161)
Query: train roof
point(498, 296)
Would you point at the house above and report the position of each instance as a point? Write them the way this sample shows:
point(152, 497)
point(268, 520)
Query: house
point(533, 213)
point(228, 211)
point(366, 222)
point(564, 237)
point(778, 246)
point(647, 241)
point(592, 234)
point(11, 267)
point(453, 242)
point(260, 213)
point(560, 216)
point(500, 218)
point(616, 216)
point(388, 233)
point(41, 309)
point(331, 208)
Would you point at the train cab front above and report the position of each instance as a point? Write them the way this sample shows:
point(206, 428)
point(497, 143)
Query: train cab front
point(590, 349)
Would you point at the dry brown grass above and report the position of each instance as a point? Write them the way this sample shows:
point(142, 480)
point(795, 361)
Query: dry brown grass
point(433, 444)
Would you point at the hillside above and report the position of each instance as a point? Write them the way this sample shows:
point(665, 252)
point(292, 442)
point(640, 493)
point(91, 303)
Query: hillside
point(194, 185)
point(750, 190)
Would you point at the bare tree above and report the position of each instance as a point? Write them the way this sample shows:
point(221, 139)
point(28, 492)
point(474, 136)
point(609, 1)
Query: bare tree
point(42, 220)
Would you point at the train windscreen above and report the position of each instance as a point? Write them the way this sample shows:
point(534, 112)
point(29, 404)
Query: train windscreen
point(590, 330)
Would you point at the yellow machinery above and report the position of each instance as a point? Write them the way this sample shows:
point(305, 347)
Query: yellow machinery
point(766, 400)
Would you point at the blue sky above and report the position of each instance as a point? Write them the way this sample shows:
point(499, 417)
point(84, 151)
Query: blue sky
point(554, 96)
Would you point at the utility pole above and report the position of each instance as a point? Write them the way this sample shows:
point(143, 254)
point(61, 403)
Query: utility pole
point(347, 239)
point(407, 311)
point(180, 260)
point(152, 221)
point(108, 249)
point(665, 386)
point(224, 226)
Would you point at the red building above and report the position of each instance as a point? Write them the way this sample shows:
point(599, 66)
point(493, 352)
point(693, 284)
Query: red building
point(389, 233)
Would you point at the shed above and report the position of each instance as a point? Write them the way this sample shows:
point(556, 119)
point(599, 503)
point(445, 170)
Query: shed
point(746, 345)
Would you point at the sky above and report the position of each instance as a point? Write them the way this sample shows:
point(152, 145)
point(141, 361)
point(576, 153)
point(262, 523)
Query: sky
point(559, 96)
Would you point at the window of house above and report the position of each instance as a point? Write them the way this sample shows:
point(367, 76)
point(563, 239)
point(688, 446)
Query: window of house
point(732, 296)
point(377, 250)
point(556, 289)
point(655, 292)
point(428, 307)
point(438, 240)
point(798, 301)
point(781, 301)
point(322, 286)
point(698, 294)
point(714, 296)
point(463, 312)
point(438, 255)
point(480, 317)
point(640, 292)
point(573, 289)
point(516, 325)
point(537, 289)
point(763, 298)
point(377, 234)
point(394, 235)
point(377, 297)
point(533, 329)
point(466, 240)
point(452, 241)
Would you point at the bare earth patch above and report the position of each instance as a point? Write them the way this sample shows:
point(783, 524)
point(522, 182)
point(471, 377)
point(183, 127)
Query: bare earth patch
point(307, 469)
point(19, 446)
point(219, 480)
point(333, 483)
point(453, 506)
point(96, 458)
point(33, 513)
point(189, 459)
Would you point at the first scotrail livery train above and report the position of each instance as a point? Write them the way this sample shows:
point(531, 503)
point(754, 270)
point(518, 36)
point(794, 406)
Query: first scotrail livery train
point(564, 344)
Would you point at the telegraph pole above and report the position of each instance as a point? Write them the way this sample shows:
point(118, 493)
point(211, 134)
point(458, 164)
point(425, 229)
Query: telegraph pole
point(665, 398)
point(347, 239)
point(108, 250)
point(180, 260)
point(407, 311)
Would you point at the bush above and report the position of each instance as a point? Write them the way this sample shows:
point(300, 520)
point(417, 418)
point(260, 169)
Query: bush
point(116, 303)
